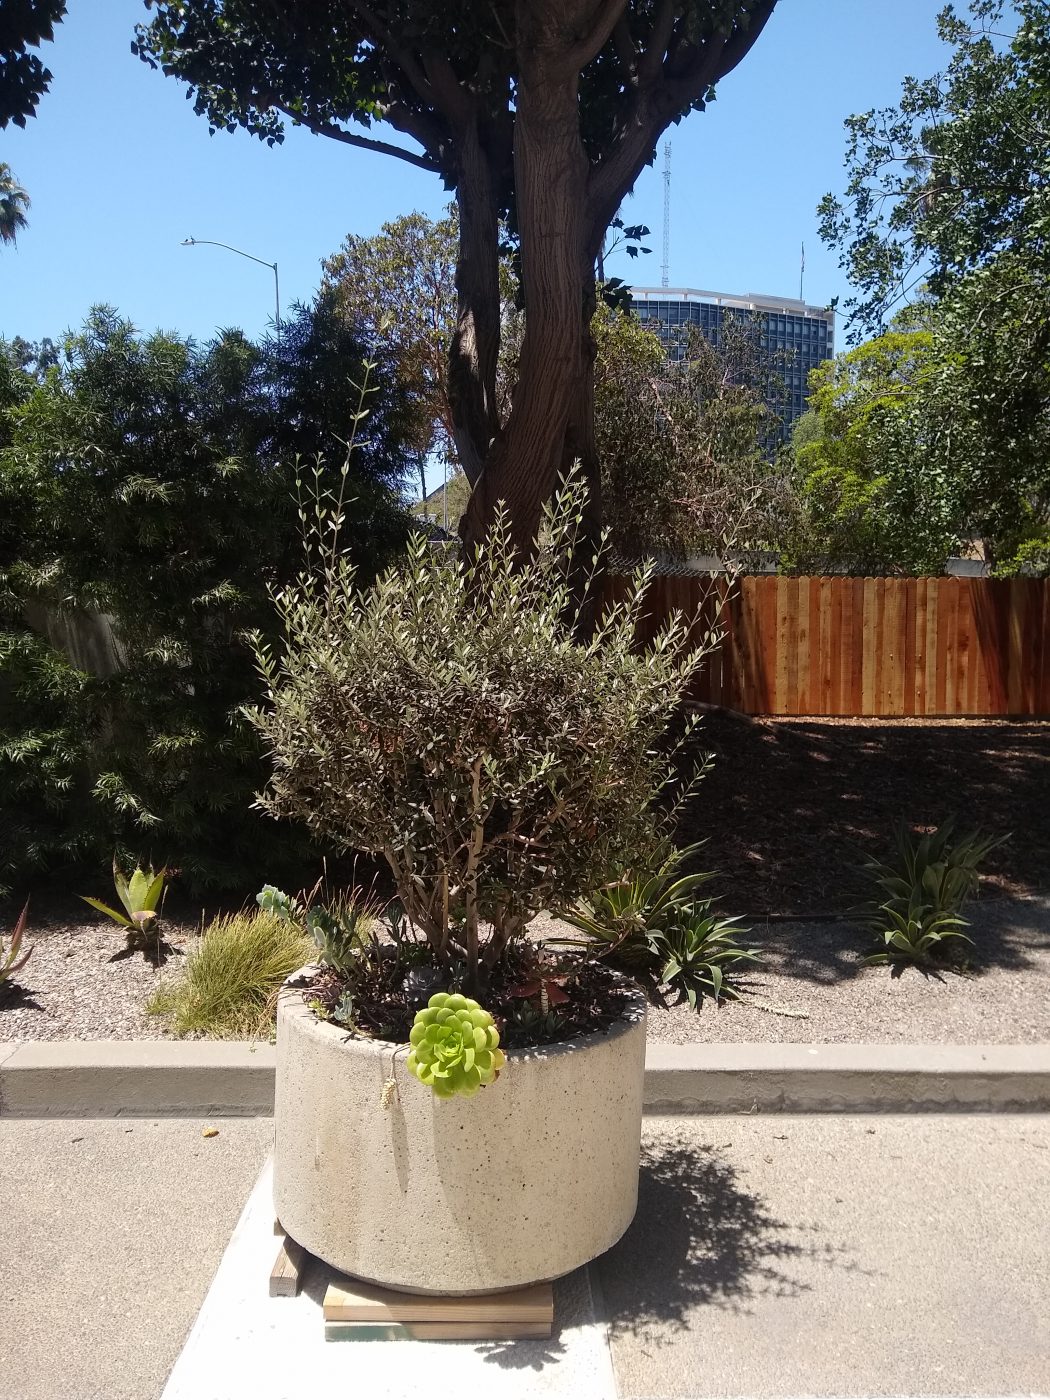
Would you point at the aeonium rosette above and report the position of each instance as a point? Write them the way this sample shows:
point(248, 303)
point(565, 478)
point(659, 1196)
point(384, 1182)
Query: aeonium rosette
point(455, 1046)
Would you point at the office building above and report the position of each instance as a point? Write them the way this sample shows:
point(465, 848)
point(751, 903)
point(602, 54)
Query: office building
point(792, 337)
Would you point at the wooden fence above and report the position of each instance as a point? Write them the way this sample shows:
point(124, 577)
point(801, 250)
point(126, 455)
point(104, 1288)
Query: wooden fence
point(868, 646)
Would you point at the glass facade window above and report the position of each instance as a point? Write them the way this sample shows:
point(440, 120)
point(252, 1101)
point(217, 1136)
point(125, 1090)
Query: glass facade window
point(794, 338)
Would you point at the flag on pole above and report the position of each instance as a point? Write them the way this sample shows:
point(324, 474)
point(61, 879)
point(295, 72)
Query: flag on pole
point(802, 272)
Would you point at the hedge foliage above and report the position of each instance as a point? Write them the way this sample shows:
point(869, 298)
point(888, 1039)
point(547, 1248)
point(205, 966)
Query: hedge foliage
point(152, 479)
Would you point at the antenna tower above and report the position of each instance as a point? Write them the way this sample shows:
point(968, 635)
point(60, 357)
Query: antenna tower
point(665, 270)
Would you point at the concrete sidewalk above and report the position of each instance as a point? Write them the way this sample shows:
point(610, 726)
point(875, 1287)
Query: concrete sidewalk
point(110, 1233)
point(771, 1256)
point(830, 1256)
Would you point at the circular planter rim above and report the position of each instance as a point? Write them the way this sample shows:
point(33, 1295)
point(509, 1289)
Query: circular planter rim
point(294, 1004)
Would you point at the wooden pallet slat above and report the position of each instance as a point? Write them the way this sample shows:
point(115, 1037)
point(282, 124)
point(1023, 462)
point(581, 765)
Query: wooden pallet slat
point(286, 1274)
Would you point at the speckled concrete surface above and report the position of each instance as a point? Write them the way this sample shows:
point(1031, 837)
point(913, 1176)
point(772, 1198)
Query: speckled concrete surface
point(835, 1256)
point(109, 1235)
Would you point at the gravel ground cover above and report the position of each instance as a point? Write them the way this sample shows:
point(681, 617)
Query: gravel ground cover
point(74, 988)
point(821, 992)
point(81, 983)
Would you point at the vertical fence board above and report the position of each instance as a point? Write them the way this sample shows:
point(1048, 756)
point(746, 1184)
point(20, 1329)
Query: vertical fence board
point(856, 657)
point(909, 604)
point(867, 646)
point(824, 612)
point(864, 647)
point(844, 648)
point(919, 682)
point(1014, 688)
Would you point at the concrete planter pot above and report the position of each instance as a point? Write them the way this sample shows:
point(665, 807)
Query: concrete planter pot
point(534, 1176)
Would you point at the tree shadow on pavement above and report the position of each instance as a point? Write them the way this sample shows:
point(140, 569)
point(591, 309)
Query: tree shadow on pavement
point(699, 1239)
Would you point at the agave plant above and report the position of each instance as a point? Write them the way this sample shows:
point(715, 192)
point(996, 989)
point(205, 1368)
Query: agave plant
point(696, 954)
point(10, 962)
point(139, 893)
point(916, 913)
point(945, 870)
point(619, 918)
point(916, 934)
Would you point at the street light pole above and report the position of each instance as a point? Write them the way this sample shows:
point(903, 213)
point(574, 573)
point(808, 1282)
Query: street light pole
point(211, 243)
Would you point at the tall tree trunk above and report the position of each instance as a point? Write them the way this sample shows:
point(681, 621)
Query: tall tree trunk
point(551, 420)
point(474, 353)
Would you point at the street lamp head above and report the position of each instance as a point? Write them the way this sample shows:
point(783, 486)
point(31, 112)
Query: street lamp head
point(189, 242)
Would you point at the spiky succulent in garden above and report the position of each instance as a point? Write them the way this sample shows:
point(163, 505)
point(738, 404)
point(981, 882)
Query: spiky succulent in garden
point(455, 1046)
point(140, 893)
point(10, 961)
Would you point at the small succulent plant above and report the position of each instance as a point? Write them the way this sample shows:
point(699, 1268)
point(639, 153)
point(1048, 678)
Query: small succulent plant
point(10, 961)
point(140, 894)
point(455, 1046)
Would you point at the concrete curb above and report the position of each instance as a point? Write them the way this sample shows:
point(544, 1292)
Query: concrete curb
point(138, 1078)
point(757, 1078)
point(157, 1078)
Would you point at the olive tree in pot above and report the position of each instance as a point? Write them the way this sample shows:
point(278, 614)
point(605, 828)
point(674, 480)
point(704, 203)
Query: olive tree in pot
point(458, 1109)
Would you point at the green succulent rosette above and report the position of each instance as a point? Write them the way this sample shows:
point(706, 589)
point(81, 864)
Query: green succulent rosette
point(455, 1046)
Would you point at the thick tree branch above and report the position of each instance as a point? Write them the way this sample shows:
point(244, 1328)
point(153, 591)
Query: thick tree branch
point(626, 48)
point(383, 37)
point(656, 103)
point(602, 25)
point(652, 59)
point(449, 94)
point(364, 143)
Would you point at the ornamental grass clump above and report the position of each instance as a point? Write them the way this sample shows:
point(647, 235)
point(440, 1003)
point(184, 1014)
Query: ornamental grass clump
point(228, 987)
point(457, 721)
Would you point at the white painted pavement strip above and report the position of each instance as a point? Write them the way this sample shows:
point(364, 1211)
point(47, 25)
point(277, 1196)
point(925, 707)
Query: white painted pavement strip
point(247, 1344)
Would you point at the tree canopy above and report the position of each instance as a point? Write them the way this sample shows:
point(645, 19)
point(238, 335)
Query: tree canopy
point(24, 25)
point(538, 114)
point(954, 179)
point(947, 207)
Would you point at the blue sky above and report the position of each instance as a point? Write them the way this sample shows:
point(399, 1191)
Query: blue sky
point(120, 170)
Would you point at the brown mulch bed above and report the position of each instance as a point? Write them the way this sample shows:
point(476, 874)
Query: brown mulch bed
point(790, 805)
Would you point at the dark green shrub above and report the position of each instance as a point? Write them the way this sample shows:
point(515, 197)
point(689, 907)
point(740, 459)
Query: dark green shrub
point(153, 480)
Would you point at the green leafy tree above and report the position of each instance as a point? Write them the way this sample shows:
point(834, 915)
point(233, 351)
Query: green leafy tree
point(151, 480)
point(680, 441)
point(13, 205)
point(953, 177)
point(400, 286)
point(24, 25)
point(948, 201)
point(538, 114)
point(875, 498)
